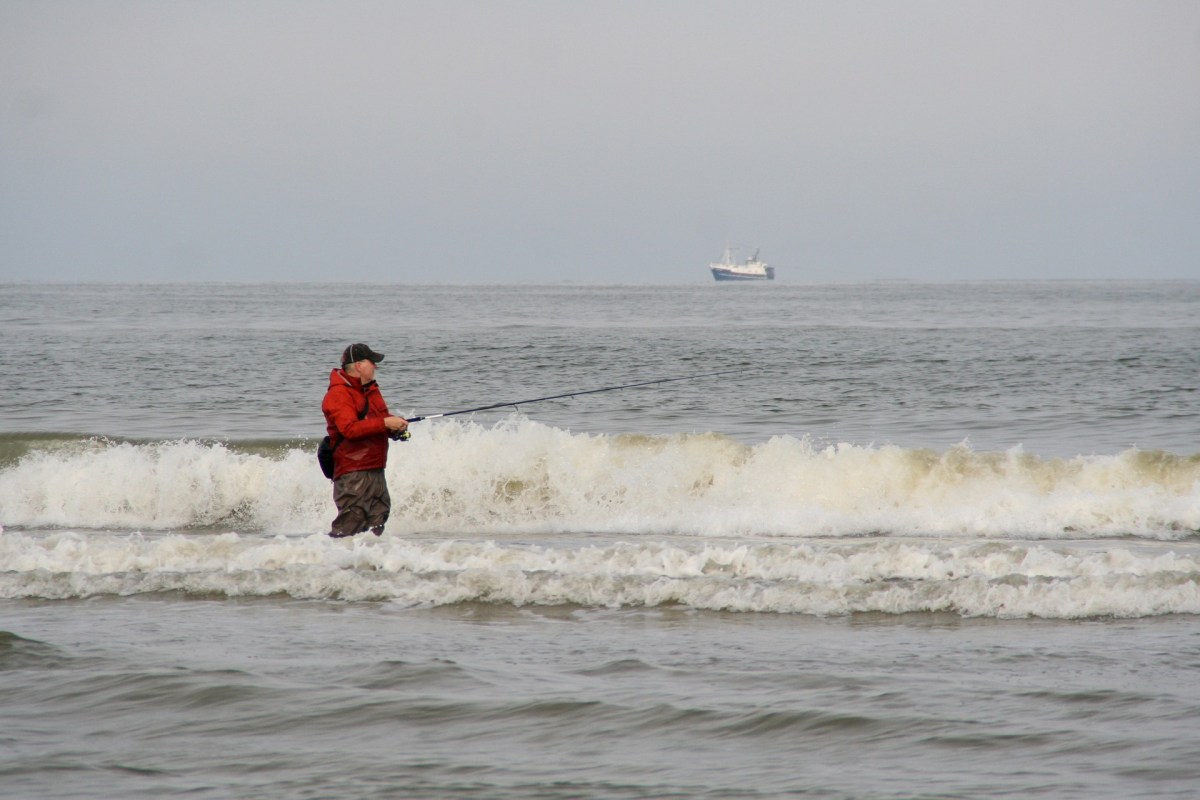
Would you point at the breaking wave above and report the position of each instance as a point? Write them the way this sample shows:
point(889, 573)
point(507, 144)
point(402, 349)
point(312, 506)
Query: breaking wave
point(523, 477)
point(526, 514)
point(992, 579)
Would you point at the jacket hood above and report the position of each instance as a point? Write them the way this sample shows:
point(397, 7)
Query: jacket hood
point(338, 377)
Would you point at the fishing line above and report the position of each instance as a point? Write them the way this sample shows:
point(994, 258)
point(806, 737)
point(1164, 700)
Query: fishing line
point(516, 403)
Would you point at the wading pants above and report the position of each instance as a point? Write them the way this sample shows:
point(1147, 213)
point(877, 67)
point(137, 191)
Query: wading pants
point(362, 502)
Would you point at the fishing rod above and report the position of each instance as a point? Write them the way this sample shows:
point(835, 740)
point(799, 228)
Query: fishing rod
point(577, 393)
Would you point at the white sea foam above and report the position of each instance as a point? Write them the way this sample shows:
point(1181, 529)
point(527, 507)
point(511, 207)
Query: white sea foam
point(999, 579)
point(523, 477)
point(160, 486)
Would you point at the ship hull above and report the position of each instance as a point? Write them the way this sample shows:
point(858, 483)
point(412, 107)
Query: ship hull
point(725, 274)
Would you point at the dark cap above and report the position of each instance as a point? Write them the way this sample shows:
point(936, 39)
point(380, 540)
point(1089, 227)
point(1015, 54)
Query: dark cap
point(360, 352)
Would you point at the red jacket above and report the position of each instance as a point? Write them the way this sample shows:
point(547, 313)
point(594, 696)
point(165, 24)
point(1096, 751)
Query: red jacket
point(363, 442)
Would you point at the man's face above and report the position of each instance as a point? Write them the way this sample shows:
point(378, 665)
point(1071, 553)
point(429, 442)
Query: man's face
point(366, 370)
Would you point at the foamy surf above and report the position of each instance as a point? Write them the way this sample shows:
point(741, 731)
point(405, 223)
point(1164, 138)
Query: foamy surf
point(818, 577)
point(523, 477)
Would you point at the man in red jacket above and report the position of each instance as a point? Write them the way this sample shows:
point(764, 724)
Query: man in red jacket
point(359, 426)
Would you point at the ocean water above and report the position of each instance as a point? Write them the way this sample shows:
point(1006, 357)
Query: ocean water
point(920, 541)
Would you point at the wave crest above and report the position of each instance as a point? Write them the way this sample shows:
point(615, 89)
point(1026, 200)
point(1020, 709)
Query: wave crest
point(992, 579)
point(521, 476)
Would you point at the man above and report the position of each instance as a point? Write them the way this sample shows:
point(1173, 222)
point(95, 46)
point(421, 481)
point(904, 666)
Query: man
point(359, 426)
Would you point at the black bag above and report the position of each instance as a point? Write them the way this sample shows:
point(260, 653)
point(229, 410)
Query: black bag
point(326, 447)
point(325, 457)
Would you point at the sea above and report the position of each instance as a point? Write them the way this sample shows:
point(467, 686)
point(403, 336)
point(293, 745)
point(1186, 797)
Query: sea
point(882, 540)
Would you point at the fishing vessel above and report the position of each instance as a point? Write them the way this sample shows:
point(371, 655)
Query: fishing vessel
point(727, 269)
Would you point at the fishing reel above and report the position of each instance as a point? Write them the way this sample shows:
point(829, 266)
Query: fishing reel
point(399, 436)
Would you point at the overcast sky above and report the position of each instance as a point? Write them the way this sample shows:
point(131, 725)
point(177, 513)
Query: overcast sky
point(598, 142)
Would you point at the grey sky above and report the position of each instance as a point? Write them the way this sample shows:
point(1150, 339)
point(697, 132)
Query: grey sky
point(598, 141)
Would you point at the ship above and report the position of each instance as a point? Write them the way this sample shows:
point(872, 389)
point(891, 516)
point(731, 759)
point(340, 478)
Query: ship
point(727, 269)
